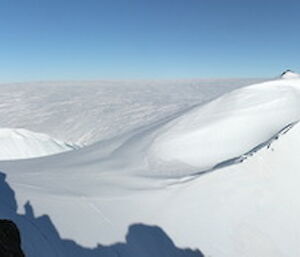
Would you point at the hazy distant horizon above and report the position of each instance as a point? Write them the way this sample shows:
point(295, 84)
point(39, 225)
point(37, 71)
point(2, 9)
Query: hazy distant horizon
point(136, 80)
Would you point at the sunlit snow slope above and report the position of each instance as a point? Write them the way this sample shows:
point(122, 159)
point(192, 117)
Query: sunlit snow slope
point(22, 144)
point(230, 125)
point(222, 177)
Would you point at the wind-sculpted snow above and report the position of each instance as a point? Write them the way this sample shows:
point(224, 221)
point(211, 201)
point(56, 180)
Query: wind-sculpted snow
point(22, 144)
point(228, 126)
point(221, 177)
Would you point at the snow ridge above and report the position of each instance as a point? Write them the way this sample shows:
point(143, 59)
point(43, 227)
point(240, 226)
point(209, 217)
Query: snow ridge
point(249, 116)
point(289, 74)
point(264, 145)
point(23, 144)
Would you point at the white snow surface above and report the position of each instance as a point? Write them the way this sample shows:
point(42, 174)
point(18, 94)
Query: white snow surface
point(221, 176)
point(85, 112)
point(23, 144)
point(204, 136)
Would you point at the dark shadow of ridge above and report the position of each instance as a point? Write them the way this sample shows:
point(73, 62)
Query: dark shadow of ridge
point(40, 237)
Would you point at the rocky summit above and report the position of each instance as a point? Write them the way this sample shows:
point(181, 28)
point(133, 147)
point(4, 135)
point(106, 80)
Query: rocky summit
point(10, 240)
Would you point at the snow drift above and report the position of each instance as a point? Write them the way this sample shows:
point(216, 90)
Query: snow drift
point(23, 144)
point(229, 126)
point(173, 179)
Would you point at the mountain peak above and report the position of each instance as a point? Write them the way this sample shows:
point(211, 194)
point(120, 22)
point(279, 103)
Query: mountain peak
point(289, 74)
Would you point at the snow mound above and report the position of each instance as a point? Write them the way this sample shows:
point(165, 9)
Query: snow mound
point(288, 74)
point(227, 127)
point(23, 144)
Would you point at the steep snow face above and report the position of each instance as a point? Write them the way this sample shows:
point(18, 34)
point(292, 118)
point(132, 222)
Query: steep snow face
point(22, 144)
point(228, 127)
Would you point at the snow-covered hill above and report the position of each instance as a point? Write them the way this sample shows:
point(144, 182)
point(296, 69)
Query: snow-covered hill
point(221, 177)
point(22, 144)
point(204, 137)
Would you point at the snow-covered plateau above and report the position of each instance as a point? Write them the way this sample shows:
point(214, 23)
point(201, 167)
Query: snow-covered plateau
point(187, 168)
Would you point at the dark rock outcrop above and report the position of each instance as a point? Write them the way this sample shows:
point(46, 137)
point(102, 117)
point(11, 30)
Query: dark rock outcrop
point(10, 240)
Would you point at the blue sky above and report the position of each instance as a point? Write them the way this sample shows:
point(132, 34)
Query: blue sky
point(140, 39)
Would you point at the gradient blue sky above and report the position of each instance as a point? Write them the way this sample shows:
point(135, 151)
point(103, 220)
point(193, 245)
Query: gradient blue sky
point(103, 39)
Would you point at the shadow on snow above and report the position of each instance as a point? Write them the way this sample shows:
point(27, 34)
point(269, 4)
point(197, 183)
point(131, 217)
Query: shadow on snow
point(40, 237)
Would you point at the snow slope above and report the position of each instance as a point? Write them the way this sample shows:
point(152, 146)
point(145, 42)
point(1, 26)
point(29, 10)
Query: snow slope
point(23, 144)
point(178, 174)
point(204, 136)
